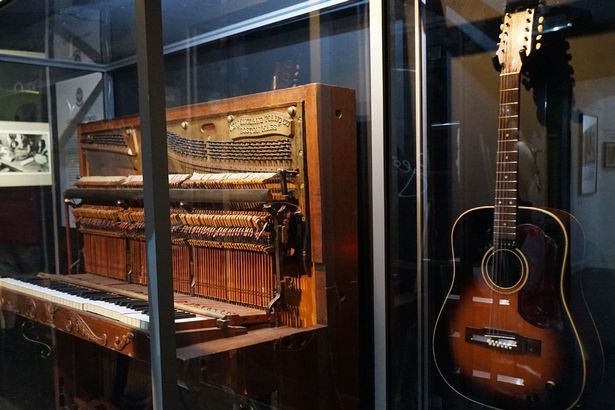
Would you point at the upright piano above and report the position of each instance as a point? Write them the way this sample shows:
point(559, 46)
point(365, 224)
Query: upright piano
point(263, 211)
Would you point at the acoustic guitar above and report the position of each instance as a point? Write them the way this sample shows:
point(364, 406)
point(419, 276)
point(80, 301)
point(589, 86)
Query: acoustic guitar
point(514, 330)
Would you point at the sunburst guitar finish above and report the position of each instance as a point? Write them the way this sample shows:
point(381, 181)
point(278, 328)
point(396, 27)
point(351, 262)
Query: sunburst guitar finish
point(507, 334)
point(514, 330)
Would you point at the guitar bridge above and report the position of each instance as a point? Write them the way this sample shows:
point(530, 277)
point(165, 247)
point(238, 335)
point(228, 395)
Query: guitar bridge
point(503, 340)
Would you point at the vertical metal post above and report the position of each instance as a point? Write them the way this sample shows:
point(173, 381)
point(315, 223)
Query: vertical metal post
point(424, 346)
point(54, 165)
point(378, 188)
point(156, 201)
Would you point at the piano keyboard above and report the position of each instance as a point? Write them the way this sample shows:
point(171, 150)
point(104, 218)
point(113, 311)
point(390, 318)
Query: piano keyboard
point(130, 311)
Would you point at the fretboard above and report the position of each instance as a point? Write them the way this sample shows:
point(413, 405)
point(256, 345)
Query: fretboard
point(505, 211)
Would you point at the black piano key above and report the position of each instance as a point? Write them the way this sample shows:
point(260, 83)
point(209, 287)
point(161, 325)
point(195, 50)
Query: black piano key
point(97, 295)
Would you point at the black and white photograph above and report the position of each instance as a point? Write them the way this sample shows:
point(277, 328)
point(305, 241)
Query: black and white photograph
point(25, 154)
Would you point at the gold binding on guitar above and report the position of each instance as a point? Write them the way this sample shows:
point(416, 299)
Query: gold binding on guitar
point(501, 289)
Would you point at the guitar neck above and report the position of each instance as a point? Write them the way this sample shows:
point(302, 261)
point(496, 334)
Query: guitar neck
point(505, 211)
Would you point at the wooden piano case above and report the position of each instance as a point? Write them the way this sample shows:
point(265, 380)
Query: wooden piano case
point(304, 135)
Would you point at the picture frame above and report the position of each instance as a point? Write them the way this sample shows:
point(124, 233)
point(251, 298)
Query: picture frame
point(25, 154)
point(609, 155)
point(588, 154)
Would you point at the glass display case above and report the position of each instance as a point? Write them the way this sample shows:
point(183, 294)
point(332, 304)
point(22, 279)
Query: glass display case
point(324, 204)
point(499, 248)
point(266, 112)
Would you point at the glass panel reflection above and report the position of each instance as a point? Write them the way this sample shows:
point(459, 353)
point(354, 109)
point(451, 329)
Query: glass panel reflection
point(518, 199)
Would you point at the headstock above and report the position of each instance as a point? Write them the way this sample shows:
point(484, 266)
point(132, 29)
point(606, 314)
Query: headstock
point(520, 34)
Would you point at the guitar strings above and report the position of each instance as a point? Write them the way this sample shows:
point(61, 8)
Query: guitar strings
point(506, 163)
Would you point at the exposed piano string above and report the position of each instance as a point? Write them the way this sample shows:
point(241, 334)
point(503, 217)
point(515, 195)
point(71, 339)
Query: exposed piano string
point(111, 142)
point(188, 153)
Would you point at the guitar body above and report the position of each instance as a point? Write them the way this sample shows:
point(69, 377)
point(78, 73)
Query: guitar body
point(516, 334)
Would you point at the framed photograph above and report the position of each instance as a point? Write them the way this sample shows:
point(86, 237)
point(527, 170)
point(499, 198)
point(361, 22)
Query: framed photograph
point(609, 154)
point(589, 154)
point(25, 154)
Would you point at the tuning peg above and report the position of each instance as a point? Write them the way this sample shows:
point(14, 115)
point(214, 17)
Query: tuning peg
point(540, 28)
point(539, 37)
point(541, 19)
point(538, 46)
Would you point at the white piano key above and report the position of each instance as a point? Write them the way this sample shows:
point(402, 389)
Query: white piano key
point(109, 310)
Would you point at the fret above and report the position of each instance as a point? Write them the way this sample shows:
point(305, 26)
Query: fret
point(508, 111)
point(505, 210)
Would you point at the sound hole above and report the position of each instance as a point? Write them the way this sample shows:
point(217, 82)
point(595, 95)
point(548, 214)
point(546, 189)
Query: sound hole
point(505, 268)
